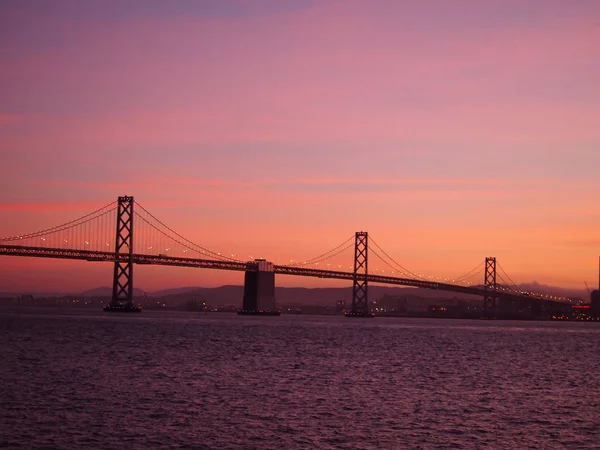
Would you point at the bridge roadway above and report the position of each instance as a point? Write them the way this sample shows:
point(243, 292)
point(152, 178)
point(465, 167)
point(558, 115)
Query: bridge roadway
point(163, 260)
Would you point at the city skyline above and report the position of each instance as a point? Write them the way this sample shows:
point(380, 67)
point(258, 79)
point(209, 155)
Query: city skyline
point(450, 133)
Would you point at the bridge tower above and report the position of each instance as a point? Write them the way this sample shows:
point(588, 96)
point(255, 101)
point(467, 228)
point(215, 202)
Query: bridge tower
point(122, 295)
point(360, 299)
point(489, 284)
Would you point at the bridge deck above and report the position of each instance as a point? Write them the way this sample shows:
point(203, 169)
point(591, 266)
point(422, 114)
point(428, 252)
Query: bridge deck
point(163, 260)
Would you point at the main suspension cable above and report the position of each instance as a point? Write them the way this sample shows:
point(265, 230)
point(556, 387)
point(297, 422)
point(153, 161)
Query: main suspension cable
point(64, 226)
point(470, 273)
point(327, 255)
point(509, 278)
point(186, 239)
point(396, 262)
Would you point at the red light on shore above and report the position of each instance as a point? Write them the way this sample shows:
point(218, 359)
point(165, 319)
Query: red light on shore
point(580, 306)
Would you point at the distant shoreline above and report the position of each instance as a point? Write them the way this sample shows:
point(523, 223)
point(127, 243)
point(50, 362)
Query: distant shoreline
point(32, 309)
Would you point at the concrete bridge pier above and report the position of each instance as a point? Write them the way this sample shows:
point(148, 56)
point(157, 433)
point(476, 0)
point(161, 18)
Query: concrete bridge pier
point(259, 289)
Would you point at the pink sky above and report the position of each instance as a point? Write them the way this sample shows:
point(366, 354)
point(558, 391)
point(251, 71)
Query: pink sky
point(450, 131)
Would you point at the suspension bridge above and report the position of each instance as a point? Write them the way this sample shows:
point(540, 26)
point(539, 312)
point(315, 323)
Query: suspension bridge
point(108, 234)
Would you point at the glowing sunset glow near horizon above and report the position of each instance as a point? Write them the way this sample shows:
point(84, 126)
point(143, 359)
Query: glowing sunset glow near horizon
point(450, 131)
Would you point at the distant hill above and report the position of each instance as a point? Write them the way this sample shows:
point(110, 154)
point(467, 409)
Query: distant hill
point(295, 295)
point(107, 292)
point(174, 291)
point(534, 286)
point(35, 294)
point(301, 296)
point(222, 294)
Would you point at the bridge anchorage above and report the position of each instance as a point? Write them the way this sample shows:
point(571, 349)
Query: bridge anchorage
point(122, 293)
point(259, 289)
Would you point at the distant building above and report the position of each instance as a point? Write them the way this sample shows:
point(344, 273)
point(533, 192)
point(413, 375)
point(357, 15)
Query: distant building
point(595, 304)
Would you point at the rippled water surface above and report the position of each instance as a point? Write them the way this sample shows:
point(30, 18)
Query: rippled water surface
point(178, 380)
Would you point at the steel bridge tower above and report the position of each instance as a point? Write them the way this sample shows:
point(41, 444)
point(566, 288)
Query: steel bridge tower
point(122, 295)
point(489, 284)
point(360, 298)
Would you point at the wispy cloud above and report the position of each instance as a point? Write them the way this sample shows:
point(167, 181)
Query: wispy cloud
point(466, 126)
point(48, 207)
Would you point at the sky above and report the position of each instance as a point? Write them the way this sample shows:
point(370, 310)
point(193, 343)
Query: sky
point(450, 131)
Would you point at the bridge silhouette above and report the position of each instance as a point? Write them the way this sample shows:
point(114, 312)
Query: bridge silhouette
point(108, 234)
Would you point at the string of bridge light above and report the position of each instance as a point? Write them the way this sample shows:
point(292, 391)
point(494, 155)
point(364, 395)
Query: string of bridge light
point(518, 290)
point(386, 263)
point(331, 253)
point(74, 227)
point(218, 254)
point(64, 226)
point(521, 291)
point(403, 271)
point(431, 278)
point(427, 278)
point(325, 256)
point(506, 286)
point(183, 241)
point(508, 276)
point(463, 279)
point(471, 273)
point(79, 233)
point(104, 211)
